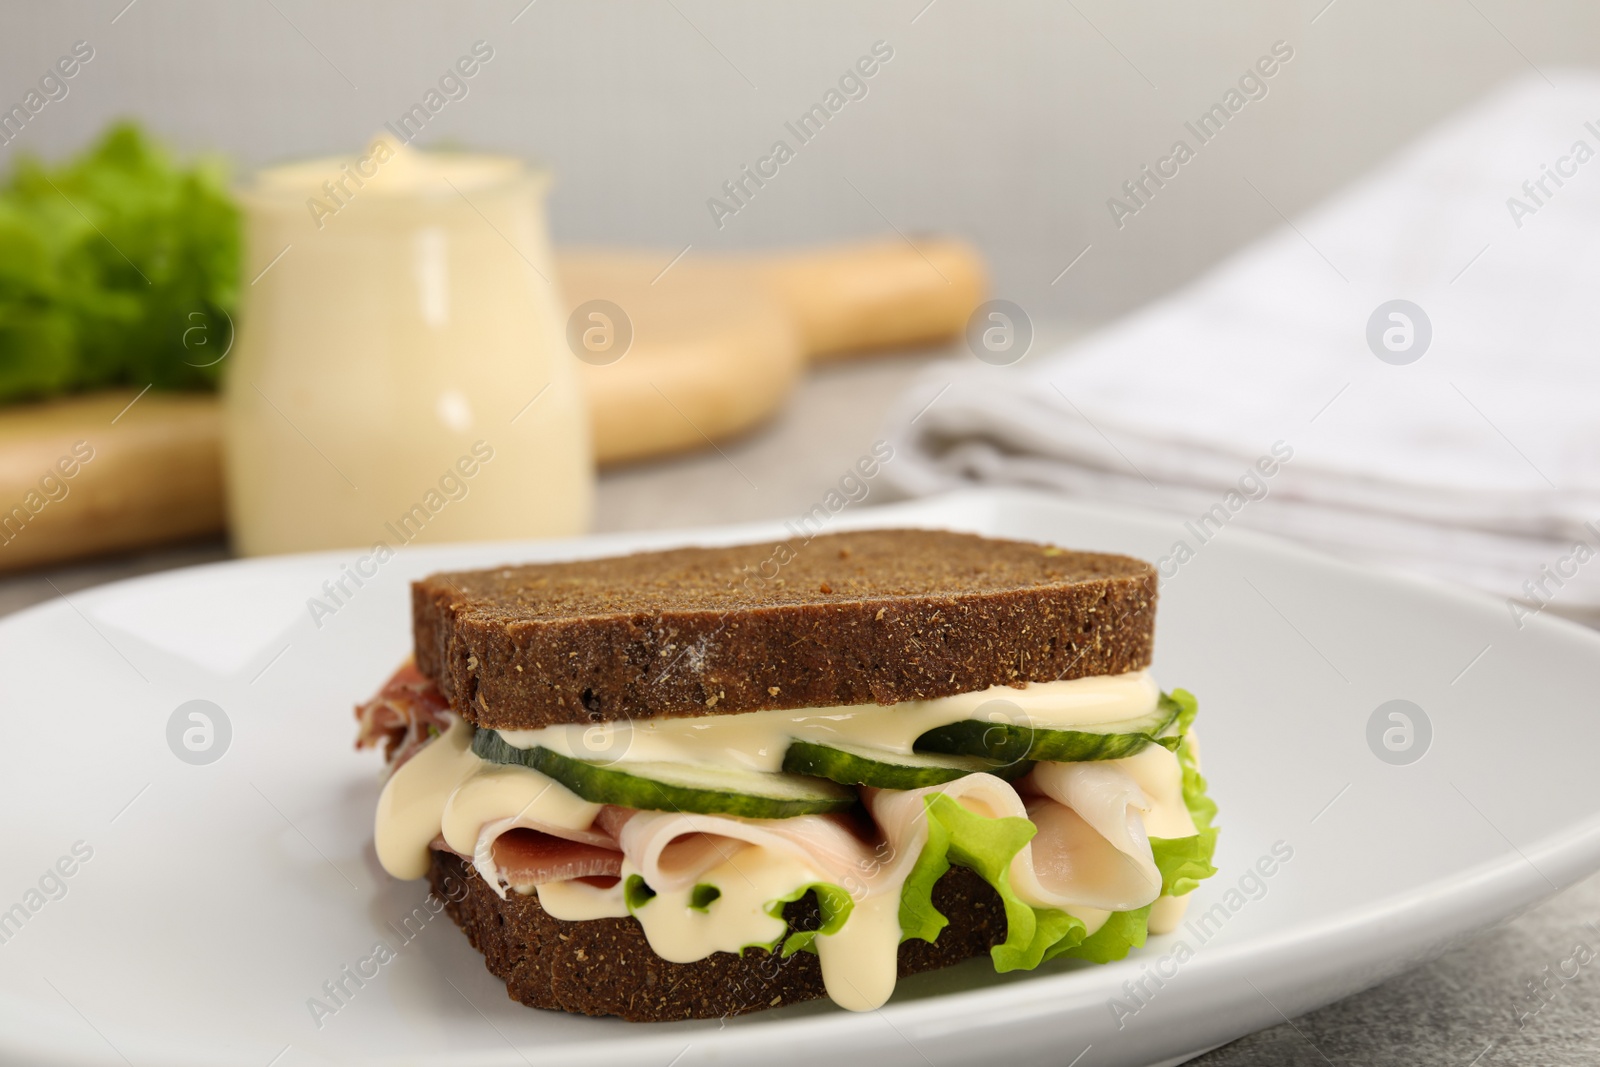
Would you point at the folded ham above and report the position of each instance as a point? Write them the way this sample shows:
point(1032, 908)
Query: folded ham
point(407, 713)
point(1091, 850)
point(527, 857)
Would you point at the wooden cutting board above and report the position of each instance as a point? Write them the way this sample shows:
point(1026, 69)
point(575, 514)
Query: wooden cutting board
point(719, 341)
point(717, 344)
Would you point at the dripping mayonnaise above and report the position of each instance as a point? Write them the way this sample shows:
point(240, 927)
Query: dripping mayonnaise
point(447, 790)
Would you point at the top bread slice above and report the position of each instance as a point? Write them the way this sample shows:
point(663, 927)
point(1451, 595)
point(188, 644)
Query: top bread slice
point(863, 617)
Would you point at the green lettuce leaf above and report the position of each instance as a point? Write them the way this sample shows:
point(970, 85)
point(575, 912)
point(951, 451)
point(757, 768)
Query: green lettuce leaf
point(118, 267)
point(636, 893)
point(956, 835)
point(1123, 932)
point(1191, 862)
point(1188, 707)
point(834, 904)
point(987, 846)
point(1184, 861)
point(1202, 807)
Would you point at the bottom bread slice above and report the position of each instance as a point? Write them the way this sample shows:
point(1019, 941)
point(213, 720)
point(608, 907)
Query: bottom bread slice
point(606, 966)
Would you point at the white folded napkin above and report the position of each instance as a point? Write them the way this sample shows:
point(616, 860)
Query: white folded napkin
point(1478, 462)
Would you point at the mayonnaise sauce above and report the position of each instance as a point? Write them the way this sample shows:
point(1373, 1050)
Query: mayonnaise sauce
point(759, 739)
point(411, 806)
point(494, 792)
point(750, 879)
point(577, 901)
point(447, 790)
point(1166, 913)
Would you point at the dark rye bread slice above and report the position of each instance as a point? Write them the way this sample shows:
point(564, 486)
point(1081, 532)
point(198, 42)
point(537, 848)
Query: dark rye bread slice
point(606, 966)
point(864, 617)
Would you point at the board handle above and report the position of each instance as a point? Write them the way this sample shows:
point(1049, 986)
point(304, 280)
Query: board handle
point(860, 297)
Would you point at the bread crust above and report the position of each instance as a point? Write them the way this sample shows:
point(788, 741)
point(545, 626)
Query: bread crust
point(862, 617)
point(606, 966)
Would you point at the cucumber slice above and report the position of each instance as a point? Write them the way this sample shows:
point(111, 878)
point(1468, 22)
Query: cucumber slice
point(1012, 742)
point(676, 786)
point(857, 765)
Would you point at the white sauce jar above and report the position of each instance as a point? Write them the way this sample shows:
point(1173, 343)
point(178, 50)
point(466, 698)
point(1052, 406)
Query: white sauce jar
point(400, 372)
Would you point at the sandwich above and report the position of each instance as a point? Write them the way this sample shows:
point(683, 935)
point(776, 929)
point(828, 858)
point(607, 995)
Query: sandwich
point(707, 781)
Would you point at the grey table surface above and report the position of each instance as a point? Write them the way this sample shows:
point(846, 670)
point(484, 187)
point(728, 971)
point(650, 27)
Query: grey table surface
point(1465, 1009)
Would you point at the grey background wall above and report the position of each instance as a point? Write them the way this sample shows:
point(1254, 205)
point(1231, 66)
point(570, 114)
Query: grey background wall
point(1008, 123)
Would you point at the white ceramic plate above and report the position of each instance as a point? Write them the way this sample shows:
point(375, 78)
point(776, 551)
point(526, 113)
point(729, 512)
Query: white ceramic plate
point(217, 899)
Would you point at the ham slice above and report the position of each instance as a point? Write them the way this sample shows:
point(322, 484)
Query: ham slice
point(1091, 844)
point(1069, 863)
point(612, 819)
point(559, 844)
point(672, 850)
point(1073, 862)
point(407, 713)
point(523, 857)
point(527, 857)
point(1093, 855)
